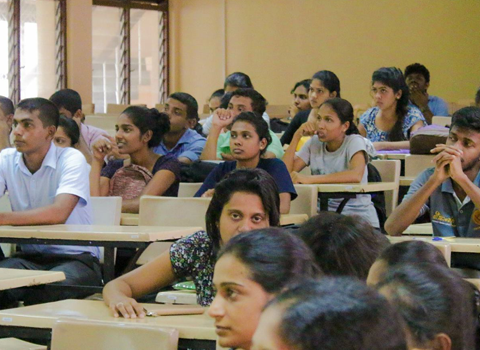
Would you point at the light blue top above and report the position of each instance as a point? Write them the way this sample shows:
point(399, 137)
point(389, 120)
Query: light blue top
point(190, 146)
point(64, 170)
point(438, 106)
point(449, 216)
point(375, 135)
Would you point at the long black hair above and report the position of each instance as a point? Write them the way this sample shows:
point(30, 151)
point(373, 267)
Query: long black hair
point(329, 80)
point(149, 119)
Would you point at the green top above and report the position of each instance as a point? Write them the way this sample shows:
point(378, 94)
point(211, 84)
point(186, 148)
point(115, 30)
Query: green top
point(223, 145)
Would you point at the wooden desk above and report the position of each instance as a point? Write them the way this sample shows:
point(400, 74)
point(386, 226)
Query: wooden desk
point(399, 156)
point(348, 191)
point(38, 320)
point(419, 229)
point(406, 180)
point(128, 219)
point(458, 244)
point(109, 237)
point(16, 278)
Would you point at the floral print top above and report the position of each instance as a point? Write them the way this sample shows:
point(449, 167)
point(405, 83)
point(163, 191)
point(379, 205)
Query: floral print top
point(192, 257)
point(375, 135)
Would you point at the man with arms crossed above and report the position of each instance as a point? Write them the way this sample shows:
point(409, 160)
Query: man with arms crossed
point(47, 185)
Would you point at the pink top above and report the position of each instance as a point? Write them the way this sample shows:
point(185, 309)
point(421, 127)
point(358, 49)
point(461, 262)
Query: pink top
point(91, 134)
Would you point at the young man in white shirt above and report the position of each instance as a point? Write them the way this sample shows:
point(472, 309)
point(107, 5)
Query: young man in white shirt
point(47, 185)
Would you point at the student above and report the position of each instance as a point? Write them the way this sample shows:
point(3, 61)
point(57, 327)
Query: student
point(449, 190)
point(329, 314)
point(69, 103)
point(245, 200)
point(389, 124)
point(47, 185)
point(181, 141)
point(417, 78)
point(139, 130)
point(324, 85)
point(215, 100)
point(409, 252)
point(438, 307)
point(335, 153)
point(300, 100)
point(249, 140)
point(343, 245)
point(218, 143)
point(234, 81)
point(6, 121)
point(67, 134)
point(251, 269)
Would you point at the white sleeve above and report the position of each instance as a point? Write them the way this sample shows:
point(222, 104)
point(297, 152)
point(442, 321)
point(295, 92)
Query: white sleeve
point(207, 125)
point(74, 176)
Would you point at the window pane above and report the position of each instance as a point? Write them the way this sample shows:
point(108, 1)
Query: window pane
point(37, 51)
point(144, 32)
point(4, 48)
point(106, 56)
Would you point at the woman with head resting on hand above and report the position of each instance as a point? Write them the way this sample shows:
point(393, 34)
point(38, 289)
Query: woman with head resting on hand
point(243, 201)
point(389, 124)
point(251, 269)
point(139, 130)
point(249, 140)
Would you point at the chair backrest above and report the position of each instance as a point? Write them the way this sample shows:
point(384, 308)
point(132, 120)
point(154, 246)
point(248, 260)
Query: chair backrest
point(172, 211)
point(416, 163)
point(442, 121)
point(306, 202)
point(88, 108)
point(119, 108)
point(280, 110)
point(77, 334)
point(106, 210)
point(17, 344)
point(390, 172)
point(188, 189)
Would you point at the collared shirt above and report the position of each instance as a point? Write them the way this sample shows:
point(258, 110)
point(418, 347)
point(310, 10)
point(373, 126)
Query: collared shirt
point(448, 219)
point(63, 170)
point(223, 145)
point(437, 106)
point(190, 146)
point(91, 134)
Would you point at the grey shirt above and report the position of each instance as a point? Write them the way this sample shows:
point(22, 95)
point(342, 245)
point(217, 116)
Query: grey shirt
point(314, 153)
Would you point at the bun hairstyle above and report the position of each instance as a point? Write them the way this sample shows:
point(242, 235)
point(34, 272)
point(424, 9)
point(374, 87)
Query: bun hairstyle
point(149, 119)
point(393, 78)
point(344, 111)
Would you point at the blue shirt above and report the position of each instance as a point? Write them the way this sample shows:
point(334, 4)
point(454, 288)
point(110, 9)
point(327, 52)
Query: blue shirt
point(190, 146)
point(275, 167)
point(438, 106)
point(447, 218)
point(63, 170)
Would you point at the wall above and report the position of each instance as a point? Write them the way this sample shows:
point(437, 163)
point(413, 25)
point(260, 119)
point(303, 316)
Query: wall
point(280, 42)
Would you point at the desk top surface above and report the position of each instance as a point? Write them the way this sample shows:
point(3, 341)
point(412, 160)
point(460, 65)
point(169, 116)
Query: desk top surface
point(358, 187)
point(45, 315)
point(15, 278)
point(406, 180)
point(98, 232)
point(419, 229)
point(457, 244)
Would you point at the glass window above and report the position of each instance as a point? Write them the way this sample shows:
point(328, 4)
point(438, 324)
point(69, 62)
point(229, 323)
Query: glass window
point(4, 48)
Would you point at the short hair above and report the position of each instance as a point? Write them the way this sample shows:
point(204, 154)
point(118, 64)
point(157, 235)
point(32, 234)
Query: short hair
point(255, 181)
point(259, 103)
point(337, 313)
point(149, 119)
point(417, 68)
point(6, 105)
point(70, 127)
point(412, 252)
point(225, 100)
point(217, 93)
point(467, 118)
point(477, 98)
point(189, 101)
point(344, 111)
point(275, 258)
point(259, 124)
point(48, 112)
point(68, 99)
point(238, 80)
point(305, 83)
point(343, 245)
point(329, 80)
point(393, 78)
point(432, 299)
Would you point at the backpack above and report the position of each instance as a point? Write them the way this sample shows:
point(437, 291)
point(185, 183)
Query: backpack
point(129, 181)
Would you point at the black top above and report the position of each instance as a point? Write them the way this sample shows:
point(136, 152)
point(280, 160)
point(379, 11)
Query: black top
point(300, 118)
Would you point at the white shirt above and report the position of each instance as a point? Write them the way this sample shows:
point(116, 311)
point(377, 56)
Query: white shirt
point(63, 170)
point(207, 125)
